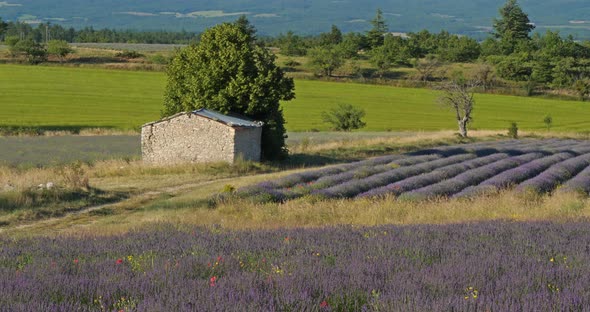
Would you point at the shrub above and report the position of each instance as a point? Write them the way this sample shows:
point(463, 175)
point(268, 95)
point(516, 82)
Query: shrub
point(292, 63)
point(548, 121)
point(74, 176)
point(159, 59)
point(128, 54)
point(513, 130)
point(345, 117)
point(228, 188)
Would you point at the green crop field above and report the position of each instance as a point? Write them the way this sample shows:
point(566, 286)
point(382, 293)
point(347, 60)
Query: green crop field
point(63, 97)
point(78, 97)
point(391, 108)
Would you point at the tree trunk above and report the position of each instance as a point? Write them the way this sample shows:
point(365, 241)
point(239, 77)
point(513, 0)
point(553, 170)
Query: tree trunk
point(463, 127)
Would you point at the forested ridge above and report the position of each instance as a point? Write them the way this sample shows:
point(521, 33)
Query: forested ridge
point(304, 17)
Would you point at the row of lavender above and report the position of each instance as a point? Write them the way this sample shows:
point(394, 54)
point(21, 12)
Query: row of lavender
point(470, 267)
point(460, 171)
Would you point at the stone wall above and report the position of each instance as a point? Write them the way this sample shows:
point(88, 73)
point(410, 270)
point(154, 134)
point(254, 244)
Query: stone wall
point(187, 138)
point(248, 142)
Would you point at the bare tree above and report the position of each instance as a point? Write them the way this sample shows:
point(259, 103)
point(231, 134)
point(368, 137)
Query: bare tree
point(458, 95)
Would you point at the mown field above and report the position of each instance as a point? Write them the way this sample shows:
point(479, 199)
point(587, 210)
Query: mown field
point(46, 151)
point(74, 98)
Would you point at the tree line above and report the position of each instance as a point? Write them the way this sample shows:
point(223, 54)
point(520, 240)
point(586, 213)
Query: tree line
point(44, 32)
point(539, 60)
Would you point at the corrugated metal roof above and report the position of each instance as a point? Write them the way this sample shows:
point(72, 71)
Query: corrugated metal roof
point(228, 120)
point(216, 116)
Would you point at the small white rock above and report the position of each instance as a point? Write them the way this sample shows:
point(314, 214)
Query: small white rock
point(49, 185)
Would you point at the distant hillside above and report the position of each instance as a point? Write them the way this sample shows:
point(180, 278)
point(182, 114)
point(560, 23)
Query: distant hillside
point(469, 17)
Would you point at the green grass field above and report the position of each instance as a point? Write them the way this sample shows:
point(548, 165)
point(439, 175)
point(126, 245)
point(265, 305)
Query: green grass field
point(60, 97)
point(63, 97)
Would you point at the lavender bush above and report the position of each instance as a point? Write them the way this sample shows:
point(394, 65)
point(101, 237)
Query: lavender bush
point(471, 177)
point(353, 188)
point(514, 176)
point(435, 176)
point(556, 174)
point(580, 183)
point(459, 170)
point(354, 174)
point(471, 267)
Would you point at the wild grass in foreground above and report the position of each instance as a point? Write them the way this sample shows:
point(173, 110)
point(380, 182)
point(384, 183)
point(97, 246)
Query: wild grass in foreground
point(29, 194)
point(494, 266)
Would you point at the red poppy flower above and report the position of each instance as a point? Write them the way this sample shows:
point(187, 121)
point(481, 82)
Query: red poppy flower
point(212, 281)
point(76, 261)
point(324, 304)
point(119, 261)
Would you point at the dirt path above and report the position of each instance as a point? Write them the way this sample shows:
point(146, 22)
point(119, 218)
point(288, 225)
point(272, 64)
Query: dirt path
point(173, 190)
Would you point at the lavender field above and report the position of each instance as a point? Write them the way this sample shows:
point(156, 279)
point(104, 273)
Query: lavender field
point(493, 266)
point(528, 166)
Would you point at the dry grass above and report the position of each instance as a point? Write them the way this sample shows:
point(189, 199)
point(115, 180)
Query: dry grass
point(181, 194)
point(93, 132)
point(193, 210)
point(124, 174)
point(423, 138)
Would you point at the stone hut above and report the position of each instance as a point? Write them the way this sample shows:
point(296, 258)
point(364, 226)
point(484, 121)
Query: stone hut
point(200, 136)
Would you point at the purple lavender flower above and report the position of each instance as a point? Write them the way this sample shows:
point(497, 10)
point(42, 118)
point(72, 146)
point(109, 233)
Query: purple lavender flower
point(470, 177)
point(435, 176)
point(554, 175)
point(495, 266)
point(515, 176)
point(353, 188)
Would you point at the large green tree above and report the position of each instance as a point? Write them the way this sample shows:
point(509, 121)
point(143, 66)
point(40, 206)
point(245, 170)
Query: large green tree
point(324, 60)
point(228, 71)
point(332, 38)
point(512, 26)
point(375, 36)
point(291, 44)
point(59, 48)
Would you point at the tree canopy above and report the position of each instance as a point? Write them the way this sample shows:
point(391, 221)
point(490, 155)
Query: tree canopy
point(513, 25)
point(375, 36)
point(228, 71)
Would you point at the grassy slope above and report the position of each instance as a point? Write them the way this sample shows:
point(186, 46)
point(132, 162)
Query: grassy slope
point(83, 97)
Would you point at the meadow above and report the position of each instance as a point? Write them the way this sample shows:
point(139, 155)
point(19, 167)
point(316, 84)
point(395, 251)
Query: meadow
point(65, 98)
